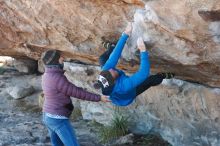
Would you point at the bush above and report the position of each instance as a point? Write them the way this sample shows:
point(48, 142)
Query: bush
point(117, 128)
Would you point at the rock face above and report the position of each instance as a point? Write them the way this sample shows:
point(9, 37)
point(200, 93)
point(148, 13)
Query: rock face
point(184, 42)
point(184, 34)
point(184, 114)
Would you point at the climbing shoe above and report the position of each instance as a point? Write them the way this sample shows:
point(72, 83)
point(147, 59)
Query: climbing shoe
point(168, 75)
point(108, 45)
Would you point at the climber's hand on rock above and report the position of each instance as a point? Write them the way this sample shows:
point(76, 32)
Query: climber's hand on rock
point(105, 98)
point(141, 45)
point(128, 29)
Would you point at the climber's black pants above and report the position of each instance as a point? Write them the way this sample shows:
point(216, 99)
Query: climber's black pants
point(152, 80)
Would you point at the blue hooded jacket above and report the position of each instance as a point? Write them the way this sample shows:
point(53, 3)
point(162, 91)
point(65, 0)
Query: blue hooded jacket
point(124, 90)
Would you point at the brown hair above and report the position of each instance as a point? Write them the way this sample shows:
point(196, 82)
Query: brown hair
point(51, 57)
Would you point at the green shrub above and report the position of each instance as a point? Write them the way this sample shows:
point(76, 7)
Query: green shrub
point(117, 128)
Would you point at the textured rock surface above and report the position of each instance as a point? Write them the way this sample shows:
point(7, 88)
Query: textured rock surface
point(184, 114)
point(18, 92)
point(185, 34)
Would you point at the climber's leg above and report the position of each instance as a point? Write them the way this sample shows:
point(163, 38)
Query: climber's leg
point(153, 80)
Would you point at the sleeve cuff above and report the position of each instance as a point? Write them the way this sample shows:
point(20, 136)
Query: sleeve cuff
point(144, 54)
point(125, 35)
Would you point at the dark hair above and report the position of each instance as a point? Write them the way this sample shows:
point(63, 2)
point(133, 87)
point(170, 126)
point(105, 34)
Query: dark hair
point(108, 76)
point(51, 57)
point(105, 82)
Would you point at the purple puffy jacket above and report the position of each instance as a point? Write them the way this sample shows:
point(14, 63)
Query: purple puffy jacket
point(57, 91)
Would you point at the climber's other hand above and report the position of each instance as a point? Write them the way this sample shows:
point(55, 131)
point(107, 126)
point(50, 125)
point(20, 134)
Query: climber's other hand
point(140, 44)
point(128, 29)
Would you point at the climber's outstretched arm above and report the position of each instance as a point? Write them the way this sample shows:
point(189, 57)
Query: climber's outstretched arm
point(144, 69)
point(116, 54)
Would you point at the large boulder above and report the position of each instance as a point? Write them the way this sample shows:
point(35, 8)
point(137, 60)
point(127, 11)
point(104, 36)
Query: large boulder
point(18, 92)
point(184, 34)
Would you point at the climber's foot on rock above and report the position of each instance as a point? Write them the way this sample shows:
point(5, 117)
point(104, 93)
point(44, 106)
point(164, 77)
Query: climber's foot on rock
point(167, 75)
point(108, 45)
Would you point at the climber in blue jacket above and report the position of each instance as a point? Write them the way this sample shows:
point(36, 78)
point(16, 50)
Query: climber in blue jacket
point(121, 88)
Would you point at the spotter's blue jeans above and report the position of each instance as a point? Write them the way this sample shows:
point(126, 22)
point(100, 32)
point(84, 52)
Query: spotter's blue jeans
point(61, 132)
